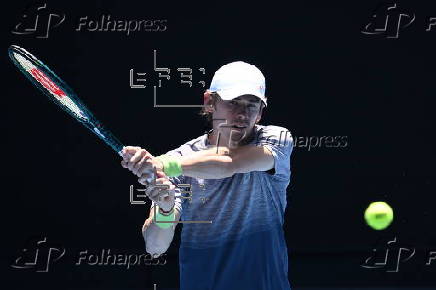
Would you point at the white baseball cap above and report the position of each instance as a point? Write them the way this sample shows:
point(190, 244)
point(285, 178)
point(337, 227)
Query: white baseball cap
point(236, 79)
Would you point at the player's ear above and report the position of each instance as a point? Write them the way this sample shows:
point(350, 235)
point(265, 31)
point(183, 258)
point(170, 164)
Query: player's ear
point(208, 101)
point(259, 115)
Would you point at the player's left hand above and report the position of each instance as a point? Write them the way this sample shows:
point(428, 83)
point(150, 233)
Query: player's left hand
point(140, 162)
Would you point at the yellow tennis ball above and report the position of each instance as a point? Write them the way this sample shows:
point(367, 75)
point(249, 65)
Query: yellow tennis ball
point(379, 215)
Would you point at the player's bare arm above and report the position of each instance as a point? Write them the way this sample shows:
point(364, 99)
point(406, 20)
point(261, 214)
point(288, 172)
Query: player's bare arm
point(161, 191)
point(214, 163)
point(158, 240)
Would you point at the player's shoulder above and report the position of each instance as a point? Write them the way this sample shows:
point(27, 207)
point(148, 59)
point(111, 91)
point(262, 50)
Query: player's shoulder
point(273, 135)
point(196, 142)
point(192, 145)
point(272, 130)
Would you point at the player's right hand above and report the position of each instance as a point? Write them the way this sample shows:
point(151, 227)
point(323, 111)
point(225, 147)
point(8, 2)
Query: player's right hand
point(160, 190)
point(140, 162)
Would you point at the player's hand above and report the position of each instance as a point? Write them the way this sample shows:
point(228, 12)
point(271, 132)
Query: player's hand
point(160, 190)
point(140, 162)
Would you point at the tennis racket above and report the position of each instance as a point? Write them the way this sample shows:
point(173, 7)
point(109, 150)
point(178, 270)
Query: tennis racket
point(60, 93)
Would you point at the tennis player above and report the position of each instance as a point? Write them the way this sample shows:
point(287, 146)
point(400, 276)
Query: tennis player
point(238, 173)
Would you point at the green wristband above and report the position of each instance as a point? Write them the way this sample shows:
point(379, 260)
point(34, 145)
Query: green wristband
point(164, 221)
point(171, 165)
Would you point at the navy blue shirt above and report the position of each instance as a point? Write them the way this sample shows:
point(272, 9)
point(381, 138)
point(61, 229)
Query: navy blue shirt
point(244, 247)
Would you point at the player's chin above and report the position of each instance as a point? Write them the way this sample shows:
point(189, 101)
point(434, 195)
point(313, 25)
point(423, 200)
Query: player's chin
point(239, 137)
point(239, 133)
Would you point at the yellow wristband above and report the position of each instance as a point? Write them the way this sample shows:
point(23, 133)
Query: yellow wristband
point(164, 221)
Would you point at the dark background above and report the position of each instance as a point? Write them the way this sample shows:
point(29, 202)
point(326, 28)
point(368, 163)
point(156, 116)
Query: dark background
point(324, 78)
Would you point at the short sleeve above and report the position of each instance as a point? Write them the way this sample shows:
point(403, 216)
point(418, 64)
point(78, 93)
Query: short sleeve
point(279, 141)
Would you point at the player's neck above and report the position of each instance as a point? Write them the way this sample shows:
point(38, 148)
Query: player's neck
point(216, 140)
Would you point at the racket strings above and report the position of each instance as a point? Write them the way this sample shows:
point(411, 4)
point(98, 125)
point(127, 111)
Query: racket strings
point(60, 96)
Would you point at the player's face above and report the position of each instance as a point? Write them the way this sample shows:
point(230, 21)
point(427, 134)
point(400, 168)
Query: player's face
point(241, 114)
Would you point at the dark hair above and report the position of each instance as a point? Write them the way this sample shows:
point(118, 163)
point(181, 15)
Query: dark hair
point(204, 112)
point(215, 97)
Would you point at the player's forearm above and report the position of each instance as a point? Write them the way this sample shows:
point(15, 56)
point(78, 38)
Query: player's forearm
point(158, 240)
point(208, 164)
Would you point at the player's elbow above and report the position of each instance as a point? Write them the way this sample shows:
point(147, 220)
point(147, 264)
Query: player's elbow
point(157, 240)
point(156, 249)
